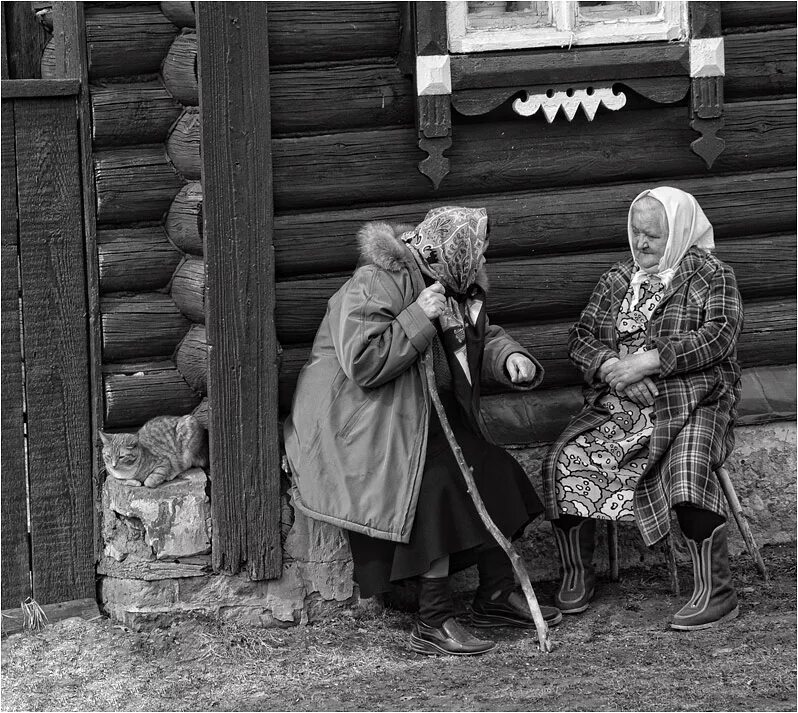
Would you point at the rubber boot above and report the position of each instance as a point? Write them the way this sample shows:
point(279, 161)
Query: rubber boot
point(714, 599)
point(436, 631)
point(575, 538)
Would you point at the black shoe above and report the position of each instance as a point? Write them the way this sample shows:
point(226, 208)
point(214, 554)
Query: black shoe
point(509, 609)
point(449, 638)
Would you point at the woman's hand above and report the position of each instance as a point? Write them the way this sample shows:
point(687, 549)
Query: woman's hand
point(432, 300)
point(631, 369)
point(520, 368)
point(601, 374)
point(642, 392)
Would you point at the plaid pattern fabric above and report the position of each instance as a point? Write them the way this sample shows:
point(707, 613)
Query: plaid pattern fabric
point(695, 329)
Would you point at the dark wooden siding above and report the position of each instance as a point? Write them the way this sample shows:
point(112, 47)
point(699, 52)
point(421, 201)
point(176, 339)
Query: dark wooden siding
point(345, 152)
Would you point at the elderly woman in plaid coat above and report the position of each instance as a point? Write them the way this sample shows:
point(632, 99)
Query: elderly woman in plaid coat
point(657, 348)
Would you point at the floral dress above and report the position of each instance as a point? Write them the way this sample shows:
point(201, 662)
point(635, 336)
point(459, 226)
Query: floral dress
point(597, 472)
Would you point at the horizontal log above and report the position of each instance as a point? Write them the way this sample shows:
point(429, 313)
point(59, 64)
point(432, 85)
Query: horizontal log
point(131, 568)
point(13, 619)
point(140, 326)
point(183, 144)
point(48, 64)
point(201, 412)
point(126, 40)
point(188, 288)
point(137, 391)
point(340, 97)
point(545, 221)
point(548, 288)
point(768, 339)
point(745, 14)
point(381, 165)
point(135, 259)
point(184, 220)
point(191, 358)
point(180, 69)
point(538, 417)
point(136, 113)
point(332, 32)
point(134, 184)
point(38, 88)
point(180, 13)
point(760, 64)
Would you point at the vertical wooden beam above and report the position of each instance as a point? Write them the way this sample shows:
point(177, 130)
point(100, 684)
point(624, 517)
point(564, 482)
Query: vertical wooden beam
point(55, 348)
point(25, 39)
point(4, 49)
point(69, 32)
point(13, 485)
point(238, 217)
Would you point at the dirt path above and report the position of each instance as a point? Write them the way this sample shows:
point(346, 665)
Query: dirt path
point(619, 655)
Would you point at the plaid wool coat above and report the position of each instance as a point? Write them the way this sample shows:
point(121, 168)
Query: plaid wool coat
point(695, 328)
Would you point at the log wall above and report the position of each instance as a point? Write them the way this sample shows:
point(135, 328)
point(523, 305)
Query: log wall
point(345, 152)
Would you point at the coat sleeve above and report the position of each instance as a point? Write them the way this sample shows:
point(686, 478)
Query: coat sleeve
point(498, 346)
point(715, 340)
point(585, 349)
point(376, 338)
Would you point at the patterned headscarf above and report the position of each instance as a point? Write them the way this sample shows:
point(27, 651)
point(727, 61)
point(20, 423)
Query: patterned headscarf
point(450, 242)
point(688, 226)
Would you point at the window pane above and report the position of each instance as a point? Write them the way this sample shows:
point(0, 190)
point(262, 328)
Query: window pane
point(483, 14)
point(590, 12)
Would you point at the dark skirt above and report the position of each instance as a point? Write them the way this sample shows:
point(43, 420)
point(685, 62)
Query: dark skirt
point(446, 521)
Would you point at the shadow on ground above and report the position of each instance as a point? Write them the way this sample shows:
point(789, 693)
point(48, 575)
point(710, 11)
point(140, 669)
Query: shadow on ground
point(619, 655)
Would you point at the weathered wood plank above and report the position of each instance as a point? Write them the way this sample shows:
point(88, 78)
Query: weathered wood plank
point(542, 222)
point(341, 96)
point(32, 88)
point(745, 14)
point(180, 69)
point(135, 113)
point(768, 339)
point(25, 39)
point(138, 391)
point(12, 619)
point(381, 165)
point(135, 259)
point(15, 562)
point(548, 288)
point(56, 349)
point(184, 220)
point(238, 212)
point(332, 32)
point(141, 326)
point(134, 184)
point(126, 39)
point(188, 289)
point(760, 64)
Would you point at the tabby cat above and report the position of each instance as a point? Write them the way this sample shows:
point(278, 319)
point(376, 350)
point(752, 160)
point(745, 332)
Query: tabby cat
point(163, 448)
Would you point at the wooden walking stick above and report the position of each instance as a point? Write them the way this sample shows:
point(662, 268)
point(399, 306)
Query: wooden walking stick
point(518, 565)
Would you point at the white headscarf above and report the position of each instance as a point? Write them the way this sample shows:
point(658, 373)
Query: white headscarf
point(687, 226)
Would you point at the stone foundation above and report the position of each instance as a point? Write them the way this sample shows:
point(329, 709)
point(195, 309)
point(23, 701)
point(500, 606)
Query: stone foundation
point(156, 563)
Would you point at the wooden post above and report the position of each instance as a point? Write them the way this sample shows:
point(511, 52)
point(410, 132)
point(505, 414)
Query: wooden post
point(69, 32)
point(242, 345)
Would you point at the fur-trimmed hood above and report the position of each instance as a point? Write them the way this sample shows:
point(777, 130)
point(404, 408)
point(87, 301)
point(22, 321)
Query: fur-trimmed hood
point(380, 245)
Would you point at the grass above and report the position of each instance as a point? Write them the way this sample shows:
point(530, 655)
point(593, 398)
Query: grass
point(619, 655)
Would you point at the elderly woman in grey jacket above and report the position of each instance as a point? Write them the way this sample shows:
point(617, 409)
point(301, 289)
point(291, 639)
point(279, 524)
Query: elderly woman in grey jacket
point(368, 452)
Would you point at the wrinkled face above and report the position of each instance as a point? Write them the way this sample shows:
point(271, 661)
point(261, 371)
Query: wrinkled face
point(649, 232)
point(120, 453)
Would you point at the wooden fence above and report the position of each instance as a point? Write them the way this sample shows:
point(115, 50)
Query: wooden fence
point(47, 502)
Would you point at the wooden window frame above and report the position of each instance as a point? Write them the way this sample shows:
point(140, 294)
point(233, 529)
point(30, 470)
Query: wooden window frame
point(476, 83)
point(670, 25)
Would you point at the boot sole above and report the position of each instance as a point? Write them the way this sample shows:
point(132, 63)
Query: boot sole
point(695, 627)
point(428, 648)
point(491, 621)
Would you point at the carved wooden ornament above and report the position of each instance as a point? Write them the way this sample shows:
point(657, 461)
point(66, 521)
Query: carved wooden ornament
point(570, 99)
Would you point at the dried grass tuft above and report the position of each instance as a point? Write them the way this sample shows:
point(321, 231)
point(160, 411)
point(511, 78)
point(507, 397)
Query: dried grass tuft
point(33, 616)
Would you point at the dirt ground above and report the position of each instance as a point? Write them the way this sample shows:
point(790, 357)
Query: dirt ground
point(619, 655)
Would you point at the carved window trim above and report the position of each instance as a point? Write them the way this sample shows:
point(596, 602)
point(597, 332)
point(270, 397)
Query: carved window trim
point(475, 83)
point(670, 25)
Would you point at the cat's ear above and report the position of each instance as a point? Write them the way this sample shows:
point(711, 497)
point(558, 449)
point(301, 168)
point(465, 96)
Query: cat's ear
point(105, 438)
